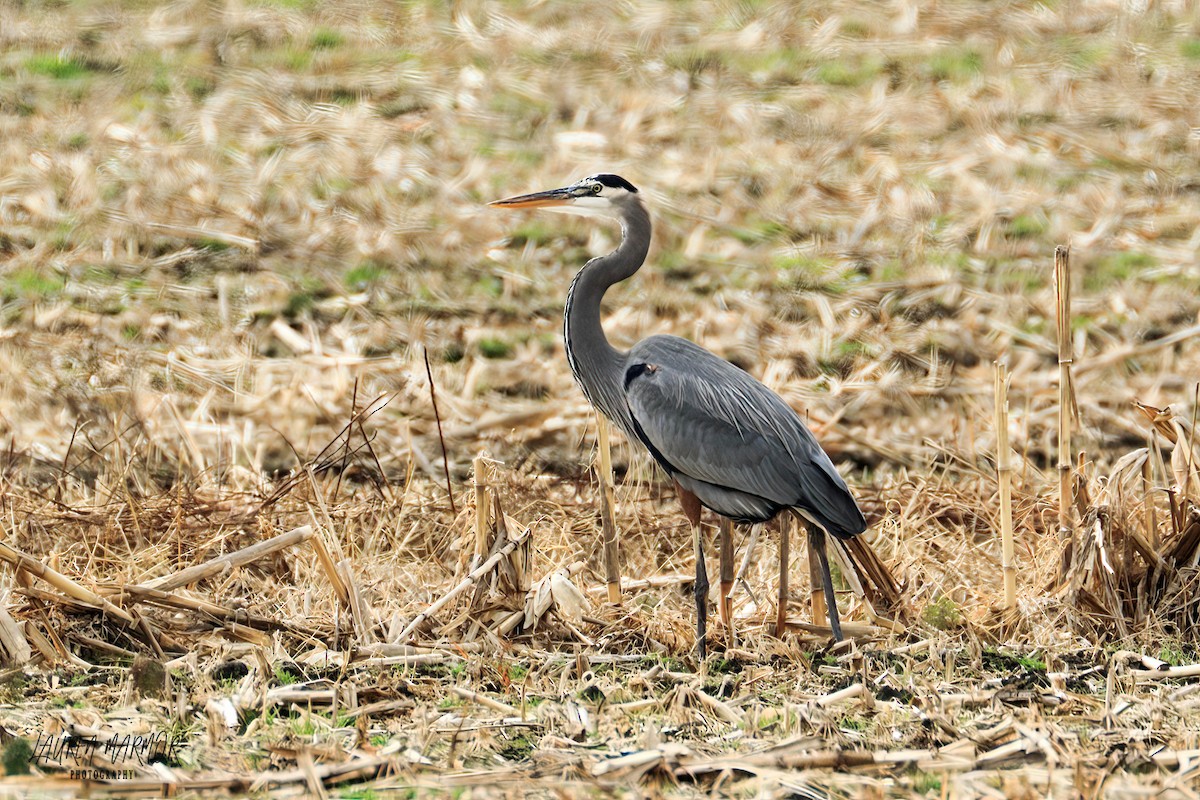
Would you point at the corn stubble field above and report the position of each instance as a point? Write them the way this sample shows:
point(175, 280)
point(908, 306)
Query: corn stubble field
point(232, 232)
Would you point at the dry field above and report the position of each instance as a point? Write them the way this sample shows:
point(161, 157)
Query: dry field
point(234, 233)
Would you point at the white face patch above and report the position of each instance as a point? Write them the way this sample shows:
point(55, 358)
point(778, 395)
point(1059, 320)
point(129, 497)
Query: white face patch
point(592, 205)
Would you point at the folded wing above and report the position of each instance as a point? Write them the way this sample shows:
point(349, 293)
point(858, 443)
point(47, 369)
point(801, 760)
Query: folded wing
point(729, 439)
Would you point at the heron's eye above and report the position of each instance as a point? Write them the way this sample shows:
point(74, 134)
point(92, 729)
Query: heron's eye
point(597, 188)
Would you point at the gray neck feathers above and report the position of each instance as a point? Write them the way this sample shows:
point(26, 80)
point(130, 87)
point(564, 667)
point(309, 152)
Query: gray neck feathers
point(598, 366)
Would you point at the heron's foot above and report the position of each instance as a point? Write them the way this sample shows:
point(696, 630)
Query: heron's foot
point(816, 544)
point(702, 615)
point(701, 594)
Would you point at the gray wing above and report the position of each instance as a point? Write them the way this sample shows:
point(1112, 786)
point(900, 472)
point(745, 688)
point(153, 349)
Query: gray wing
point(729, 439)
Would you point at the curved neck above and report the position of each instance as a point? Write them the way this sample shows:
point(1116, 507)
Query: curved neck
point(598, 366)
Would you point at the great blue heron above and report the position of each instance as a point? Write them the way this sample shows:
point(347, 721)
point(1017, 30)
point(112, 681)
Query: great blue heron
point(729, 443)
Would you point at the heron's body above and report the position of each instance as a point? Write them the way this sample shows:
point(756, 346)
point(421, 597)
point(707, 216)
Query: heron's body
point(721, 435)
point(730, 440)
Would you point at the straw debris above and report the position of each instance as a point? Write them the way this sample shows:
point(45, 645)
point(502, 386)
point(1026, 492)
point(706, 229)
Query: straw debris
point(257, 329)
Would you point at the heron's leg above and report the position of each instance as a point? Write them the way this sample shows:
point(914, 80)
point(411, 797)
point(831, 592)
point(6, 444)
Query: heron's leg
point(725, 599)
point(785, 557)
point(701, 592)
point(816, 547)
point(691, 509)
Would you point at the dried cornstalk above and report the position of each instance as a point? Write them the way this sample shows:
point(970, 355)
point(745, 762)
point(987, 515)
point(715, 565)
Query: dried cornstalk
point(785, 558)
point(360, 611)
point(465, 584)
point(220, 564)
point(1147, 502)
point(22, 561)
point(485, 701)
point(1004, 475)
point(1062, 284)
point(481, 510)
point(538, 599)
point(14, 647)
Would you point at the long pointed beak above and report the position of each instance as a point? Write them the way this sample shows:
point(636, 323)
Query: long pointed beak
point(554, 197)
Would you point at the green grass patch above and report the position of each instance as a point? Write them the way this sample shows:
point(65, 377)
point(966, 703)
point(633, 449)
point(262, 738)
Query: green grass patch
point(1007, 663)
point(674, 265)
point(56, 66)
point(532, 232)
point(942, 614)
point(292, 58)
point(199, 86)
point(30, 284)
point(490, 285)
point(725, 666)
point(18, 753)
point(371, 794)
point(298, 303)
point(1083, 54)
point(492, 347)
point(1032, 663)
point(955, 64)
point(365, 275)
point(1190, 48)
point(760, 231)
point(926, 783)
point(1174, 652)
point(1082, 322)
point(285, 675)
point(344, 95)
point(808, 274)
point(779, 67)
point(1116, 267)
point(1026, 226)
point(853, 349)
point(857, 724)
point(326, 39)
point(213, 245)
point(849, 72)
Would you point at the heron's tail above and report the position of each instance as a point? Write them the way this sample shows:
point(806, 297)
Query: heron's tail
point(880, 587)
point(872, 578)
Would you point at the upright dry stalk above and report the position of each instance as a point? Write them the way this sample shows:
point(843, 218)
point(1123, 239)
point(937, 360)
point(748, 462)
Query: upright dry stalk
point(1151, 520)
point(1004, 474)
point(817, 599)
point(608, 524)
point(481, 510)
point(785, 562)
point(1062, 284)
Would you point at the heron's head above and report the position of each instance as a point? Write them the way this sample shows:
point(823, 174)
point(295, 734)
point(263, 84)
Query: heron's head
point(600, 195)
